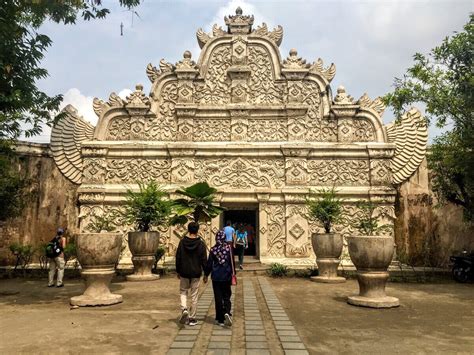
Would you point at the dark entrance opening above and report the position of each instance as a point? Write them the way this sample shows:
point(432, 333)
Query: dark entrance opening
point(247, 218)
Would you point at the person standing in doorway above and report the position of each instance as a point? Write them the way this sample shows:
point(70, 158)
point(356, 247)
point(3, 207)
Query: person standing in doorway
point(191, 258)
point(219, 265)
point(56, 258)
point(229, 233)
point(241, 243)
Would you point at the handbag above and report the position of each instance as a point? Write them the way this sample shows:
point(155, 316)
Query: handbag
point(234, 276)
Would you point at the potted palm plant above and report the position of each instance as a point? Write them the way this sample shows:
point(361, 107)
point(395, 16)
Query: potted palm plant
point(98, 252)
point(371, 252)
point(146, 209)
point(198, 204)
point(326, 209)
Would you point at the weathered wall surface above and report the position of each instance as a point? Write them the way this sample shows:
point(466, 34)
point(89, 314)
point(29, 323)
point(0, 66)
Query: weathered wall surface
point(425, 233)
point(52, 202)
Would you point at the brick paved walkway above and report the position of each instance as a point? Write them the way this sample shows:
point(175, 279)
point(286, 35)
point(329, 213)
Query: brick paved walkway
point(261, 326)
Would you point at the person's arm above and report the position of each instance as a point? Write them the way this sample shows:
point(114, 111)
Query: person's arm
point(203, 255)
point(208, 267)
point(63, 243)
point(178, 259)
point(246, 240)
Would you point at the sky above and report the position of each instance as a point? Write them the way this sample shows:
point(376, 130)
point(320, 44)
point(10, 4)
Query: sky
point(370, 42)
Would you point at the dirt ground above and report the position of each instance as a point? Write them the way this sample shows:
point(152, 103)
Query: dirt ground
point(432, 318)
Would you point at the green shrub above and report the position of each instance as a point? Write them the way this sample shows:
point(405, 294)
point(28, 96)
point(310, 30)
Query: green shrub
point(102, 223)
point(325, 208)
point(160, 252)
point(367, 222)
point(278, 270)
point(23, 255)
point(147, 208)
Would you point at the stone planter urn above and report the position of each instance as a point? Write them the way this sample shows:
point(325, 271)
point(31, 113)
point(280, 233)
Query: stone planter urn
point(98, 254)
point(143, 246)
point(328, 249)
point(371, 256)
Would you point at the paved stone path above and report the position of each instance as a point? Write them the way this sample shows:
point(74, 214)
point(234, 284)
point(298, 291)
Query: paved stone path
point(261, 326)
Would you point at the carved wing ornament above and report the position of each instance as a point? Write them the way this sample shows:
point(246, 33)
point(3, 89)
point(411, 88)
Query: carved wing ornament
point(66, 138)
point(410, 136)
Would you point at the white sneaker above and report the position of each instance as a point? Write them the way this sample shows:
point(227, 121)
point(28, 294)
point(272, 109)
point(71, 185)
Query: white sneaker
point(184, 317)
point(228, 319)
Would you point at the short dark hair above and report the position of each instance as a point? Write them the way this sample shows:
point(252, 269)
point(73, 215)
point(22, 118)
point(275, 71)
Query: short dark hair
point(229, 223)
point(193, 227)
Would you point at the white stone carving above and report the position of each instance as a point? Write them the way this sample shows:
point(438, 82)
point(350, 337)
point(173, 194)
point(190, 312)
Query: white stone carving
point(410, 136)
point(66, 138)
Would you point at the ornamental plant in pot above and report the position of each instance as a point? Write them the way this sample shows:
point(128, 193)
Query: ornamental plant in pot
point(147, 209)
point(325, 208)
point(198, 204)
point(98, 252)
point(371, 252)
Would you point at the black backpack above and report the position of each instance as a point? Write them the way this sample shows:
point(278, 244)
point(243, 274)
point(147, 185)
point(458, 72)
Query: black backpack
point(54, 248)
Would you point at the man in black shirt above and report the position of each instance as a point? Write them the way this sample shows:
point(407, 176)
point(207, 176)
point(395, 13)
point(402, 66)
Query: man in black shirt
point(191, 258)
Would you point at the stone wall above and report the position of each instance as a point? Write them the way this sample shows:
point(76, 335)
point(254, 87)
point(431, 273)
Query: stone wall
point(52, 202)
point(425, 233)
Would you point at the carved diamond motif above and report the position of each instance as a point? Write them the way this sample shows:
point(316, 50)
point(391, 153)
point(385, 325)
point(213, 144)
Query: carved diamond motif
point(239, 49)
point(239, 130)
point(185, 92)
point(296, 231)
point(182, 172)
point(345, 130)
point(263, 230)
point(185, 129)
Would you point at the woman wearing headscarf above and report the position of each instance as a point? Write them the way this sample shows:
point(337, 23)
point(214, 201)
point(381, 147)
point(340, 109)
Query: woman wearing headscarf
point(219, 265)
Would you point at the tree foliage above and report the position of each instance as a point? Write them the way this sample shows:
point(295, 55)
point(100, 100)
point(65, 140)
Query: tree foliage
point(23, 106)
point(13, 186)
point(443, 80)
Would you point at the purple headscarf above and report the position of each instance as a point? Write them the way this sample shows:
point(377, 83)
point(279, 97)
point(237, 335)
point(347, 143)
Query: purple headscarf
point(221, 250)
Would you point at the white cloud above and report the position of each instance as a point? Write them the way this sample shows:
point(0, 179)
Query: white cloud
point(82, 103)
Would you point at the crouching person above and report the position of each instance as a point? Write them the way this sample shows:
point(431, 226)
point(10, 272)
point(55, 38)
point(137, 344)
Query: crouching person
point(221, 270)
point(191, 259)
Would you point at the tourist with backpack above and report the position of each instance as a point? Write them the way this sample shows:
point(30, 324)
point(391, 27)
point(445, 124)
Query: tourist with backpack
point(191, 257)
point(220, 265)
point(241, 243)
point(55, 253)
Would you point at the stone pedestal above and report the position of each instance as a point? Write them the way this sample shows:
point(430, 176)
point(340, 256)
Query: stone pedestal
point(142, 266)
point(372, 291)
point(371, 256)
point(143, 246)
point(327, 268)
point(97, 291)
point(328, 249)
point(97, 253)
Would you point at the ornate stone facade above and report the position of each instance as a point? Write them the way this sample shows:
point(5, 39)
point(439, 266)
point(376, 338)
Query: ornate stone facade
point(262, 130)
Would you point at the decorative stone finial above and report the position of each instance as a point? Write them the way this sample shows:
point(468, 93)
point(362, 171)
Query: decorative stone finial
point(295, 62)
point(186, 63)
point(239, 24)
point(137, 98)
point(139, 87)
point(342, 98)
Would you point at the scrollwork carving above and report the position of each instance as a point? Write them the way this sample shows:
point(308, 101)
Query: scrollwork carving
point(241, 173)
point(276, 230)
point(339, 172)
point(133, 170)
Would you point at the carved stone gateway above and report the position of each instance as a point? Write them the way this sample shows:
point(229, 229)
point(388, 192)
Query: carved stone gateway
point(262, 130)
